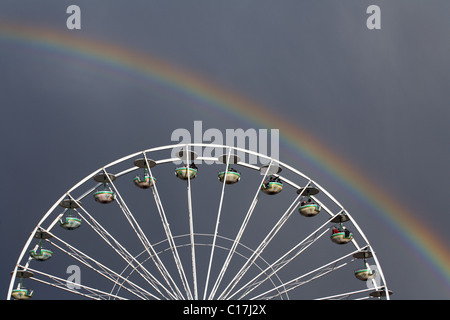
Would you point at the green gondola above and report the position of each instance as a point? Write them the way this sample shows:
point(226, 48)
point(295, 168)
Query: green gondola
point(231, 177)
point(145, 183)
point(41, 254)
point(272, 187)
point(309, 209)
point(22, 294)
point(104, 196)
point(70, 223)
point(341, 237)
point(365, 274)
point(185, 173)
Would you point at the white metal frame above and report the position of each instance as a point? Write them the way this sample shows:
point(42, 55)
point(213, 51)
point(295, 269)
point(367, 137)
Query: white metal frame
point(169, 289)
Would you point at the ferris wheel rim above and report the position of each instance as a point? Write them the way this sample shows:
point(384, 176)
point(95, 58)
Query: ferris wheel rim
point(187, 146)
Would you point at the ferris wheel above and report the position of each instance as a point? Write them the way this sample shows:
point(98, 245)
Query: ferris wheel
point(197, 221)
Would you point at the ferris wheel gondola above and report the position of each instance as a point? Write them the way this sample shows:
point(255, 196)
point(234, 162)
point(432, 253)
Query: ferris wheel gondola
point(22, 293)
point(106, 195)
point(340, 234)
point(188, 171)
point(308, 207)
point(365, 273)
point(273, 183)
point(230, 175)
point(39, 253)
point(147, 181)
point(185, 173)
point(68, 221)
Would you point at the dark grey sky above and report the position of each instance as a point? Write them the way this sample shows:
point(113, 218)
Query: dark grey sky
point(378, 98)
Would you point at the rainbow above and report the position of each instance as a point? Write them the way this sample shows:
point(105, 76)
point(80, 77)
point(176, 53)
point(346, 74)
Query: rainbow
point(202, 93)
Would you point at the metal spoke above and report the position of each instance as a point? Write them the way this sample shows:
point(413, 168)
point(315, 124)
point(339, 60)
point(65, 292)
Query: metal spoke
point(263, 245)
point(145, 242)
point(239, 235)
point(315, 274)
point(169, 236)
point(345, 295)
point(191, 226)
point(121, 250)
point(283, 260)
point(100, 268)
point(217, 223)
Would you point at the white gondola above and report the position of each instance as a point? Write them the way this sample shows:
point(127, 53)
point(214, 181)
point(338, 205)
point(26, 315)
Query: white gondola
point(365, 274)
point(41, 254)
point(272, 187)
point(309, 209)
point(341, 237)
point(148, 180)
point(22, 294)
point(104, 196)
point(274, 184)
point(185, 173)
point(145, 183)
point(70, 223)
point(231, 177)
